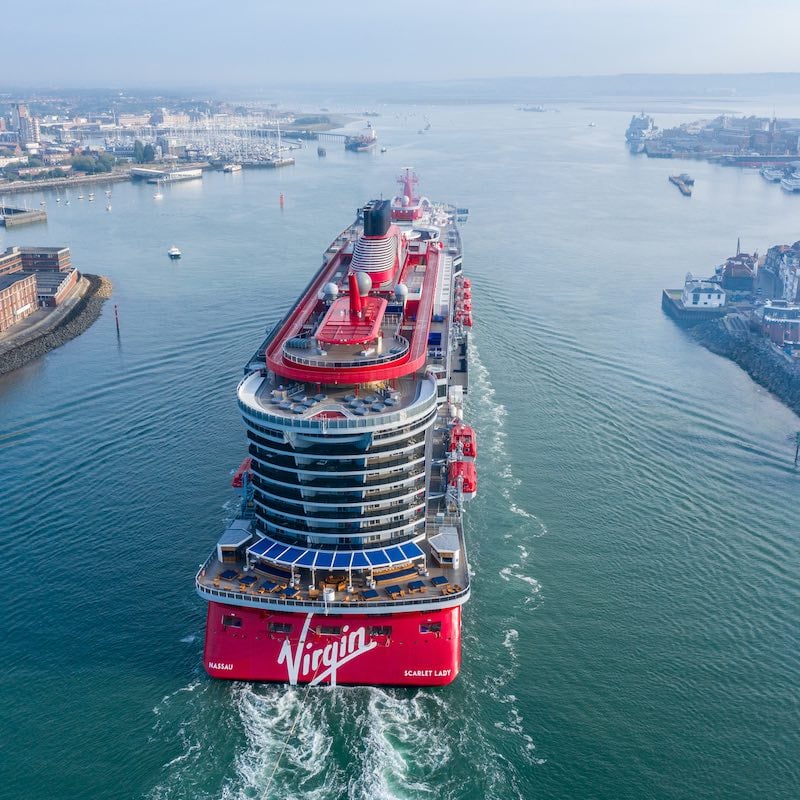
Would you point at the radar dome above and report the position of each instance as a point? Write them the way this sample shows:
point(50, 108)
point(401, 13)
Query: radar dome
point(401, 291)
point(364, 283)
point(331, 289)
point(406, 199)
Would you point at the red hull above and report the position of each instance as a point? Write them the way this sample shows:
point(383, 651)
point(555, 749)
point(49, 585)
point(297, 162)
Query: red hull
point(409, 649)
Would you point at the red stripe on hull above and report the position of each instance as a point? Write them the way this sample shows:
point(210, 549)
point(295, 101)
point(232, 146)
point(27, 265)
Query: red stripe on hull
point(419, 649)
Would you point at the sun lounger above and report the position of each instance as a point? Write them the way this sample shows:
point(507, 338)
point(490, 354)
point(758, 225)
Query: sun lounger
point(290, 592)
point(229, 574)
point(369, 594)
point(416, 586)
point(439, 580)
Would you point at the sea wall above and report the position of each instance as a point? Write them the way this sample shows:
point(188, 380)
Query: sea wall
point(764, 363)
point(60, 328)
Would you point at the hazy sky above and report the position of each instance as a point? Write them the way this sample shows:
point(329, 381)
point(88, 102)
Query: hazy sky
point(251, 42)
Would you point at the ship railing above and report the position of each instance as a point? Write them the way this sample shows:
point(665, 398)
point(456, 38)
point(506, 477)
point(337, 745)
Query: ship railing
point(273, 600)
point(373, 420)
point(398, 350)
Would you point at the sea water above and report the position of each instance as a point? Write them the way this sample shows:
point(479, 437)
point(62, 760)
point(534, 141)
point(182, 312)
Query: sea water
point(633, 627)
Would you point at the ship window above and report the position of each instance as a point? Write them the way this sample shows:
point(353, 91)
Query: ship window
point(379, 630)
point(430, 627)
point(232, 622)
point(329, 630)
point(279, 627)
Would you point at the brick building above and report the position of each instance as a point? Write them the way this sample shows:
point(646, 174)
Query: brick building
point(17, 298)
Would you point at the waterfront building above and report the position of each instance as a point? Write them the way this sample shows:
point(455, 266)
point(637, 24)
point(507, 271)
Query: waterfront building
point(779, 321)
point(17, 298)
point(738, 272)
point(699, 293)
point(34, 259)
point(33, 277)
point(782, 262)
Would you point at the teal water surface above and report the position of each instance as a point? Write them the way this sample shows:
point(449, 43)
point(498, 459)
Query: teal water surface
point(633, 629)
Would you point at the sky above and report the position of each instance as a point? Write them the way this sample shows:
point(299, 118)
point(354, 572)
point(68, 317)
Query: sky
point(89, 43)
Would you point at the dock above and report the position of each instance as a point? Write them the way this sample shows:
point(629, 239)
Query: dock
point(672, 305)
point(12, 217)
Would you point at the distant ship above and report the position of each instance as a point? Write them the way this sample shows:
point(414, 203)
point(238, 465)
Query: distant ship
point(538, 109)
point(322, 152)
point(174, 253)
point(641, 129)
point(362, 142)
point(232, 168)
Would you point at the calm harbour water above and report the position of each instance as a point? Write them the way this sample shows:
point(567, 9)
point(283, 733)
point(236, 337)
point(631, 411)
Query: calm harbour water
point(633, 629)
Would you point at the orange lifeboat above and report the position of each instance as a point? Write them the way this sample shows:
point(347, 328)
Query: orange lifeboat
point(466, 471)
point(464, 436)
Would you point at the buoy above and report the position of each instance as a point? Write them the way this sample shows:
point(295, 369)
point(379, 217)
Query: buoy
point(280, 199)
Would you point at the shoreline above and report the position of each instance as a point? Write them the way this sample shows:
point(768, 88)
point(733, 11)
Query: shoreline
point(17, 187)
point(758, 357)
point(78, 314)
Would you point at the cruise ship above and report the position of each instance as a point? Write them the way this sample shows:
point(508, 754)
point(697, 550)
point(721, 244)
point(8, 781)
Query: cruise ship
point(347, 562)
point(640, 129)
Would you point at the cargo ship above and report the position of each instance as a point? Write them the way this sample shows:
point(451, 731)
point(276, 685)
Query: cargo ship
point(346, 563)
point(362, 142)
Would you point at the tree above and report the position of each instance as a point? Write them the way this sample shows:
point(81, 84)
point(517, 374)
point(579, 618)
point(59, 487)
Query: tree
point(149, 154)
point(138, 152)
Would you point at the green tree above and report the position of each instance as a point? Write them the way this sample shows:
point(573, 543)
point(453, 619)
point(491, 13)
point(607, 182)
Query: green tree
point(105, 162)
point(138, 152)
point(83, 164)
point(149, 154)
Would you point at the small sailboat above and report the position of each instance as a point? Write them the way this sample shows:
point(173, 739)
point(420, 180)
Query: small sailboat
point(91, 197)
point(80, 197)
point(158, 194)
point(108, 207)
point(174, 253)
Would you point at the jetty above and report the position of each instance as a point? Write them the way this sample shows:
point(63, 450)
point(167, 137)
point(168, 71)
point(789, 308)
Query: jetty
point(12, 217)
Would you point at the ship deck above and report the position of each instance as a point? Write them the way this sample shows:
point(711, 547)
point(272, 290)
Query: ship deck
point(401, 587)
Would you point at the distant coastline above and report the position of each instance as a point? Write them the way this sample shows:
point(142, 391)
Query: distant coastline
point(61, 326)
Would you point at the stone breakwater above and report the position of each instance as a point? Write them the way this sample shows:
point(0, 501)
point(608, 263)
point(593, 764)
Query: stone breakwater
point(61, 327)
point(764, 363)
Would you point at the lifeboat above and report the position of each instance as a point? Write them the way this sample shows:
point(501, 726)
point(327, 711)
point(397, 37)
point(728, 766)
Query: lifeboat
point(463, 436)
point(238, 477)
point(465, 470)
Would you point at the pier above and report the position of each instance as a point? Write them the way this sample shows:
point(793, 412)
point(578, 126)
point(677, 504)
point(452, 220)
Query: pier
point(13, 217)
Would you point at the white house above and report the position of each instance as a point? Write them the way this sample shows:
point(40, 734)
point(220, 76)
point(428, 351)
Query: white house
point(698, 293)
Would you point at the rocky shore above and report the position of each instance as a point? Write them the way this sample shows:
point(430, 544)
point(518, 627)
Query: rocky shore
point(764, 363)
point(62, 325)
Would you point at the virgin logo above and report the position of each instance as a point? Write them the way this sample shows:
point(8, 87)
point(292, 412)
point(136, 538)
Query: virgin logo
point(321, 663)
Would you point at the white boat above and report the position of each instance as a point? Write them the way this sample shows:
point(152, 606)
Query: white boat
point(158, 194)
point(791, 184)
point(174, 252)
point(91, 197)
point(771, 174)
point(232, 168)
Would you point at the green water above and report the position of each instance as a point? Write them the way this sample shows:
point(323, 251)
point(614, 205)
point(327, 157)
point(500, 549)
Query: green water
point(633, 629)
